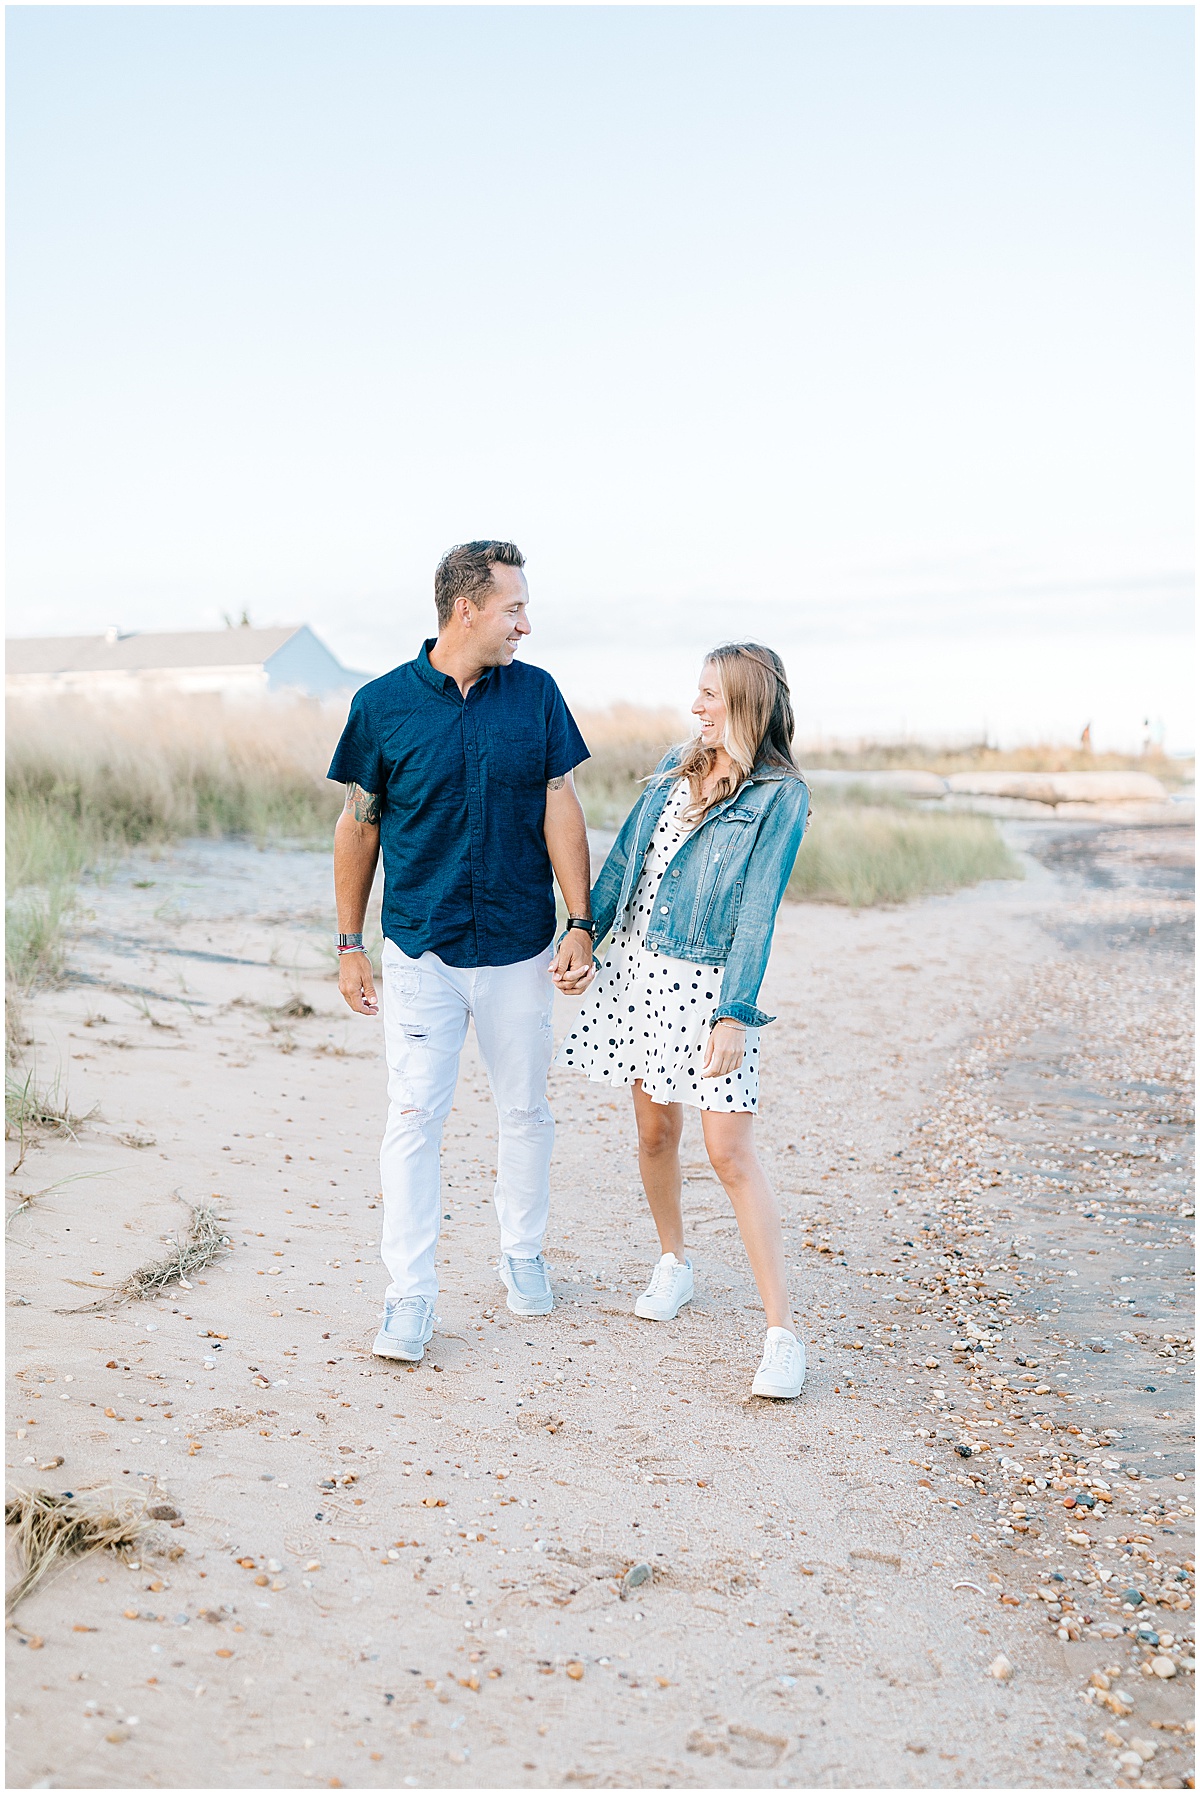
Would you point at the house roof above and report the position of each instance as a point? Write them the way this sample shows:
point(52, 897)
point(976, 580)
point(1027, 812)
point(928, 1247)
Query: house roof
point(137, 653)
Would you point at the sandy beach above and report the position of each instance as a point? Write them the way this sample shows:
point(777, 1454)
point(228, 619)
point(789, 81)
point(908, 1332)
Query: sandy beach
point(976, 1109)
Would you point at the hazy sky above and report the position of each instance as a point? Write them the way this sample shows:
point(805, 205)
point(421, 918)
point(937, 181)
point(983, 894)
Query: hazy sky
point(863, 330)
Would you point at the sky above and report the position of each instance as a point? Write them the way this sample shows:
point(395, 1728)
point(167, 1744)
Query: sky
point(862, 331)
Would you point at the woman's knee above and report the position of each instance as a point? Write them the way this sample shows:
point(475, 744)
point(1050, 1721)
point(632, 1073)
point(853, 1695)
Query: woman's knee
point(659, 1128)
point(732, 1158)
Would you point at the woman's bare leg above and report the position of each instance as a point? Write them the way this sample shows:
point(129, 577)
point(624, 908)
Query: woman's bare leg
point(730, 1143)
point(659, 1127)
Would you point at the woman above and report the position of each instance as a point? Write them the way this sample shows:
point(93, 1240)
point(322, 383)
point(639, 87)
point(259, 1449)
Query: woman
point(691, 889)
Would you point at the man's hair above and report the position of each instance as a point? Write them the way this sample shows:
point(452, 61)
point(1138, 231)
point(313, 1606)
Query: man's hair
point(466, 572)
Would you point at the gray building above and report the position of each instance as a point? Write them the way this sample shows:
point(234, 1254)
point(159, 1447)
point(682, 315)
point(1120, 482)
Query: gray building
point(234, 662)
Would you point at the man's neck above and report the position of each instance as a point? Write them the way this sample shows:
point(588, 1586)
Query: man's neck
point(458, 660)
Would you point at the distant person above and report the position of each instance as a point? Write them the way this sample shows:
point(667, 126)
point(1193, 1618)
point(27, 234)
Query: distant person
point(458, 765)
point(692, 887)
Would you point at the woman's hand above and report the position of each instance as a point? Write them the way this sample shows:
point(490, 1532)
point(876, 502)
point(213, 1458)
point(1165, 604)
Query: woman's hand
point(725, 1050)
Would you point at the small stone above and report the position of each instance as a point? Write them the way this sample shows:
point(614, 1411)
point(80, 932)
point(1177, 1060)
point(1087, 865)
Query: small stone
point(1164, 1667)
point(1130, 1762)
point(312, 1565)
point(1074, 1740)
point(1000, 1669)
point(575, 1671)
point(162, 1511)
point(1145, 1747)
point(635, 1576)
point(1132, 1597)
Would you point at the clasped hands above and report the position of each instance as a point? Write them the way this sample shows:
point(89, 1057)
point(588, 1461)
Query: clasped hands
point(573, 966)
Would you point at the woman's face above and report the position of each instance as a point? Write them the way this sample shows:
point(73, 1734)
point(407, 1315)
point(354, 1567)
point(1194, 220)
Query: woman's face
point(710, 707)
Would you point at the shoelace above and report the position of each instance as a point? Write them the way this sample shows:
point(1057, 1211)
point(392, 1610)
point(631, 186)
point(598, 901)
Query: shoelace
point(778, 1349)
point(407, 1306)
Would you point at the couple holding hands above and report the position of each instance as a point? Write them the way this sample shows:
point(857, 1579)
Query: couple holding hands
point(458, 769)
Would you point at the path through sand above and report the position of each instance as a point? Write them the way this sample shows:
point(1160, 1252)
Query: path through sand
point(974, 1109)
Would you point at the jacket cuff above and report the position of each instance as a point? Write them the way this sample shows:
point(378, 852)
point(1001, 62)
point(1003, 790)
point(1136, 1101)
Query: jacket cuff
point(745, 1013)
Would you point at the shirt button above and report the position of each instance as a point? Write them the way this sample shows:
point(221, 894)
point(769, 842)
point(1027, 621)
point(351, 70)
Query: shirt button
point(675, 874)
point(665, 910)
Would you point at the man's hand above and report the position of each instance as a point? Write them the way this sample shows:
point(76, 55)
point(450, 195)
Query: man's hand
point(573, 966)
point(725, 1050)
point(357, 984)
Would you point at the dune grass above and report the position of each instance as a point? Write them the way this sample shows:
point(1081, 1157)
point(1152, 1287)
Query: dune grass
point(892, 853)
point(85, 781)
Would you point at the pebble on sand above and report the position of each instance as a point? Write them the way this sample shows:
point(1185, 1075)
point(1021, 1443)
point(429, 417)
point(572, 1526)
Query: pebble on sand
point(1000, 1668)
point(1164, 1667)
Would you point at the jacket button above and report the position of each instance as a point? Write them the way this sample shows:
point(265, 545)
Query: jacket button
point(675, 873)
point(665, 910)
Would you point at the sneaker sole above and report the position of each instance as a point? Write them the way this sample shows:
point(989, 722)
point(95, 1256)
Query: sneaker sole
point(776, 1394)
point(666, 1314)
point(394, 1353)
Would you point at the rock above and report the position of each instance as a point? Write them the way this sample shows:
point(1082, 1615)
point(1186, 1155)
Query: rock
point(1145, 1747)
point(163, 1511)
point(1062, 787)
point(1130, 1762)
point(905, 782)
point(634, 1577)
point(1000, 1669)
point(1164, 1667)
point(1131, 1596)
point(575, 1671)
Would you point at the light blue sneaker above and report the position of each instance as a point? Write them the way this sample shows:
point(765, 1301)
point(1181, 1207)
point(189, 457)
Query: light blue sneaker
point(528, 1284)
point(407, 1329)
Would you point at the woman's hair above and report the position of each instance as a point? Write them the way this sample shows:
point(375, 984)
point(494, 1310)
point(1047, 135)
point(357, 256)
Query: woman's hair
point(759, 723)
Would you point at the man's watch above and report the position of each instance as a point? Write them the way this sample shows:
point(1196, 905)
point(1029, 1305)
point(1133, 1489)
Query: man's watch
point(584, 922)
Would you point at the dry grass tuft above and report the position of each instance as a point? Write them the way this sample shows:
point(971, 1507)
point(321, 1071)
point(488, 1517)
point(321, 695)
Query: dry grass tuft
point(206, 1240)
point(55, 1530)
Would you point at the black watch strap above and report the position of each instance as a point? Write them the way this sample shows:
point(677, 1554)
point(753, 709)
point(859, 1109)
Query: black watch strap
point(583, 922)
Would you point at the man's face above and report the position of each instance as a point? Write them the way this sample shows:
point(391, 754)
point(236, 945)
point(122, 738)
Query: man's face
point(497, 628)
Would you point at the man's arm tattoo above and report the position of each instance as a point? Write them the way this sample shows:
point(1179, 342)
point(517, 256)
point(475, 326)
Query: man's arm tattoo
point(362, 805)
point(556, 784)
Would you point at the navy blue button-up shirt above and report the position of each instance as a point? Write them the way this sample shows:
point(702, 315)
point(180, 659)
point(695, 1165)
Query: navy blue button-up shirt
point(461, 784)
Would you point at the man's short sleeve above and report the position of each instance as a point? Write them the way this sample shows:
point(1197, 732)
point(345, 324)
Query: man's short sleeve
point(356, 759)
point(565, 746)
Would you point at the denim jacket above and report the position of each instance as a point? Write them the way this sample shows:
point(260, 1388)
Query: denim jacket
point(719, 897)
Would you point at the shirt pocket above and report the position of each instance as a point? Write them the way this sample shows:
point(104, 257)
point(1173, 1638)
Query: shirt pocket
point(517, 756)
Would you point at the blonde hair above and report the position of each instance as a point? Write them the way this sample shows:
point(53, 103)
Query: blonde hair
point(759, 724)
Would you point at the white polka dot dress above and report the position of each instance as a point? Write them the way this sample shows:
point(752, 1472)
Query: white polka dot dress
point(648, 1016)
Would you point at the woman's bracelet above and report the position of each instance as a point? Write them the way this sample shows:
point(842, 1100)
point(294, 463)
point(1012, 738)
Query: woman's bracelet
point(730, 1022)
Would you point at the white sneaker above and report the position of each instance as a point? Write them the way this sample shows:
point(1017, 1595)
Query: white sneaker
point(781, 1373)
point(671, 1285)
point(407, 1329)
point(528, 1283)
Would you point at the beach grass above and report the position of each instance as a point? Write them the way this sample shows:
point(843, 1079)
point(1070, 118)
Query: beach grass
point(862, 855)
point(87, 780)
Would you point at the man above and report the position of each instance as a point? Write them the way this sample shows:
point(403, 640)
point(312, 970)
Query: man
point(458, 765)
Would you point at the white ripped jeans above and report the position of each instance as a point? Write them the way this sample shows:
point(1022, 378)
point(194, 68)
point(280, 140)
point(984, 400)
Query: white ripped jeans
point(426, 1008)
